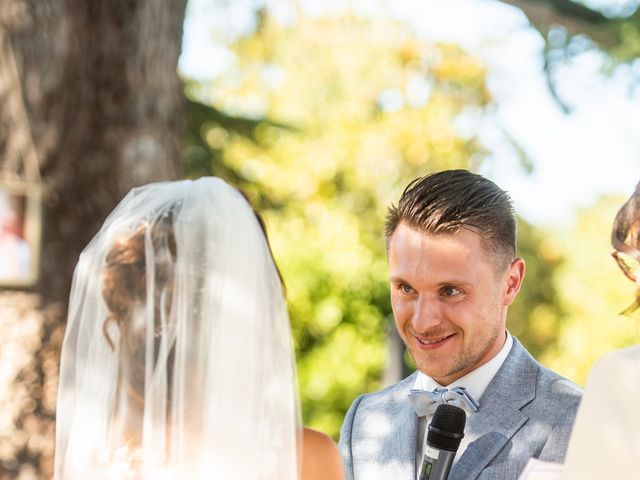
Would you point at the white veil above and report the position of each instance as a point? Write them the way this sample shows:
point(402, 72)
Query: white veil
point(193, 376)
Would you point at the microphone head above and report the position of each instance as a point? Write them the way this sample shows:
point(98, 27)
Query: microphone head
point(447, 428)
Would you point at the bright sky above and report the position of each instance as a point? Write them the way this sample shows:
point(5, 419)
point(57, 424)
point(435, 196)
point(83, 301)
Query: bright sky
point(593, 150)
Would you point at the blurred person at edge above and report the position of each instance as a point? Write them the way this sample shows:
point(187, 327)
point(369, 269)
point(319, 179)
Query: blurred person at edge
point(605, 442)
point(177, 360)
point(453, 273)
point(15, 252)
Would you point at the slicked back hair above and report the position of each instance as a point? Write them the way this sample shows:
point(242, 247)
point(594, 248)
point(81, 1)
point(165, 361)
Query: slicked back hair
point(445, 202)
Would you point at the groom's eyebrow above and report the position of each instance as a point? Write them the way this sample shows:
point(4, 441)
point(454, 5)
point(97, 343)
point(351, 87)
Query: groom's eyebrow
point(451, 281)
point(456, 282)
point(396, 279)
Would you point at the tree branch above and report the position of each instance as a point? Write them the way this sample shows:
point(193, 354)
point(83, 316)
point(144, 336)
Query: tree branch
point(575, 18)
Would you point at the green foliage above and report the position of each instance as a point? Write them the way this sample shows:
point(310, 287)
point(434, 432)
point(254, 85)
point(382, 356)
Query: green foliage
point(592, 292)
point(323, 123)
point(628, 32)
point(344, 113)
point(568, 311)
point(535, 317)
point(612, 27)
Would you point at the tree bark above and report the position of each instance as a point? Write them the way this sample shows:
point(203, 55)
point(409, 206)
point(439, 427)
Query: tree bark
point(104, 112)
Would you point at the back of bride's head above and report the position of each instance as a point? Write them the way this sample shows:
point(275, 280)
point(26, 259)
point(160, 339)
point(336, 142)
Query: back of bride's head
point(177, 358)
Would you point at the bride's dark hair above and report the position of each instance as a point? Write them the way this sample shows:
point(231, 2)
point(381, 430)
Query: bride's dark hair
point(125, 277)
point(124, 289)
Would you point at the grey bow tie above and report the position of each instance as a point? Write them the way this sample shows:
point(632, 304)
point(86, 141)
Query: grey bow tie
point(425, 403)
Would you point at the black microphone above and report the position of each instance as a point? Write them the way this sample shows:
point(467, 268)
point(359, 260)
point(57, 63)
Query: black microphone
point(443, 439)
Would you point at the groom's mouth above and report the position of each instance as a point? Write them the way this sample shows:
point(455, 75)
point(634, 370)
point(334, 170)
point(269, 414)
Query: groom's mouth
point(432, 343)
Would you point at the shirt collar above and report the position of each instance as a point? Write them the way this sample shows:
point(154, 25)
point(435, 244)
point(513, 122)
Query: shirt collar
point(476, 381)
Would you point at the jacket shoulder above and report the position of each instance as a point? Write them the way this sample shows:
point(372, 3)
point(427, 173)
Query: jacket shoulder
point(552, 384)
point(549, 385)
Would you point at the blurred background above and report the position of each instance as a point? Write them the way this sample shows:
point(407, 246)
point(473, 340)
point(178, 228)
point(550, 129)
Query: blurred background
point(322, 112)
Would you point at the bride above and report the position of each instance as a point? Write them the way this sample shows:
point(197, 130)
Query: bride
point(177, 361)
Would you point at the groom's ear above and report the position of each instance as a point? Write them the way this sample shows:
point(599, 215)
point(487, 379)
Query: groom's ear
point(513, 280)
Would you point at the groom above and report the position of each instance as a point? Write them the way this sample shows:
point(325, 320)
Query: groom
point(454, 273)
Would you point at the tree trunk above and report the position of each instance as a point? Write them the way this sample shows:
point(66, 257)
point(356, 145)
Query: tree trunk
point(101, 100)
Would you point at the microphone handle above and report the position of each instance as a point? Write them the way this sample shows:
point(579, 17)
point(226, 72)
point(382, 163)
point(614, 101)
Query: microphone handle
point(436, 464)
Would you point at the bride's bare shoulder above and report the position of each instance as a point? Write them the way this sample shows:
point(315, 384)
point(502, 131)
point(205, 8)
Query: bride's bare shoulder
point(321, 458)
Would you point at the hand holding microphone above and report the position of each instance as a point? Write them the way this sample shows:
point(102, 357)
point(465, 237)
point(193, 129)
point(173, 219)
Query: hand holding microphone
point(443, 440)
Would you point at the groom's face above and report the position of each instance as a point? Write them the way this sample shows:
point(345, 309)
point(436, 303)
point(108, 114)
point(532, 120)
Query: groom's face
point(449, 299)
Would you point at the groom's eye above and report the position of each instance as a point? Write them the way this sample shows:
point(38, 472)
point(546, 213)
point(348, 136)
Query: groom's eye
point(406, 288)
point(450, 291)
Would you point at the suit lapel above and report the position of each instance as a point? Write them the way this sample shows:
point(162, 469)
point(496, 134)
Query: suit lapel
point(406, 429)
point(500, 416)
point(408, 434)
point(387, 435)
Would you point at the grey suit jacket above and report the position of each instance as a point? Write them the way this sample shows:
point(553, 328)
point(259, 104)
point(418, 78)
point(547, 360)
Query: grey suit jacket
point(526, 411)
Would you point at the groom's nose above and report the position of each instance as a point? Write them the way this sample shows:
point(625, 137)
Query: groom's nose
point(427, 314)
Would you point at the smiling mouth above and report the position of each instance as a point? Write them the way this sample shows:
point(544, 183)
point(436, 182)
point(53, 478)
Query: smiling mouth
point(433, 342)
